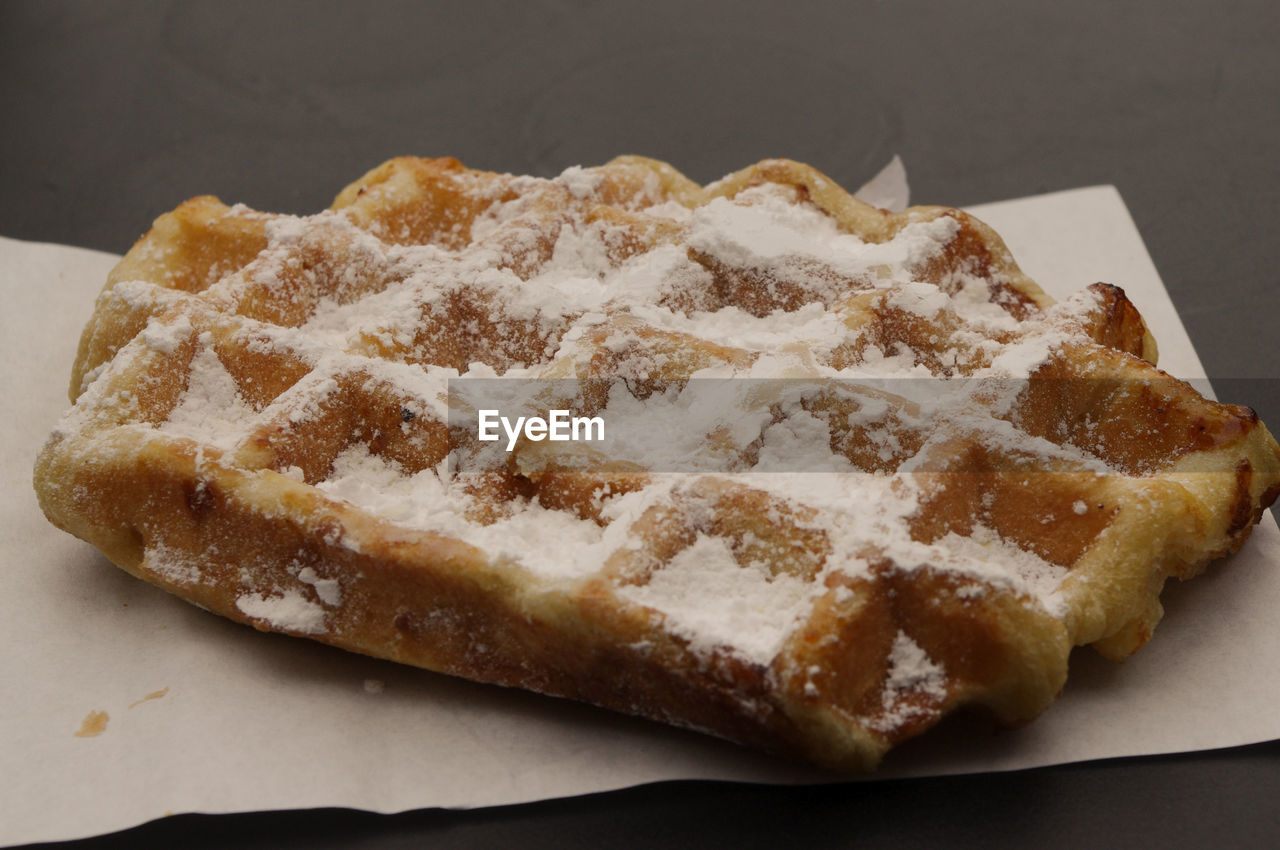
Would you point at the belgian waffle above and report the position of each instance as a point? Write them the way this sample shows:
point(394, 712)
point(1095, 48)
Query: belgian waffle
point(928, 483)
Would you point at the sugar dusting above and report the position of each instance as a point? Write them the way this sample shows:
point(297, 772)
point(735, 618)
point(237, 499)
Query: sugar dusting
point(915, 683)
point(713, 602)
point(211, 410)
point(288, 610)
point(553, 313)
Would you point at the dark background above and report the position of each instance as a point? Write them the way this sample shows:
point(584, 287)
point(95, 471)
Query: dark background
point(113, 113)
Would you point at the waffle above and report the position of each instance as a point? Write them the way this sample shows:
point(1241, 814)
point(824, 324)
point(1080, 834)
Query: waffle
point(921, 484)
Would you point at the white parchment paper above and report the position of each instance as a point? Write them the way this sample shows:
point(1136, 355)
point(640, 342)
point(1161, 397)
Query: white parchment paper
point(251, 721)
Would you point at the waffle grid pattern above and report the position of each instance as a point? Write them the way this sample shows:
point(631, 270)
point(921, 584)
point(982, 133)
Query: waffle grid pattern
point(263, 426)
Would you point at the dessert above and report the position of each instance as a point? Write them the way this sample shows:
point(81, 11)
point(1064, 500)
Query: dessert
point(854, 470)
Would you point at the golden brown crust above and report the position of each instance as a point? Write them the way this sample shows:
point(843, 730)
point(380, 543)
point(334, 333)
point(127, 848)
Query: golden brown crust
point(1028, 521)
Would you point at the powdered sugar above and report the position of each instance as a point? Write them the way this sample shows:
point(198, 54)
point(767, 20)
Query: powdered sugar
point(911, 669)
point(538, 296)
point(165, 337)
point(984, 555)
point(763, 230)
point(211, 410)
point(542, 540)
point(286, 610)
point(915, 684)
point(328, 590)
point(711, 601)
point(580, 181)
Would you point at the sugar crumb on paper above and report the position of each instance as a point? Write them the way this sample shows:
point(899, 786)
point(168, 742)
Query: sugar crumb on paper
point(94, 723)
point(153, 695)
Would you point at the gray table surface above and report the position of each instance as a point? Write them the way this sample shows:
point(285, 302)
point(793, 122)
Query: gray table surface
point(114, 112)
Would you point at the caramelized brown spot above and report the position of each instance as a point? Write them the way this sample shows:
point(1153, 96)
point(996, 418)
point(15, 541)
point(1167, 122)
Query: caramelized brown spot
point(1116, 323)
point(1242, 511)
point(199, 498)
point(1026, 501)
point(1088, 397)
